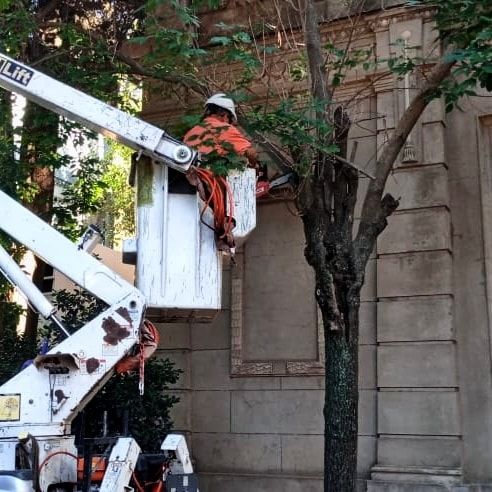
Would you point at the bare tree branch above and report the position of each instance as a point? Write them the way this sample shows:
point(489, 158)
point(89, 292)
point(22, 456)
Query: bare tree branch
point(139, 69)
point(374, 209)
point(405, 125)
point(317, 68)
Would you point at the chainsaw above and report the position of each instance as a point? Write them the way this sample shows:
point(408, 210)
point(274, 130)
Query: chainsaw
point(263, 187)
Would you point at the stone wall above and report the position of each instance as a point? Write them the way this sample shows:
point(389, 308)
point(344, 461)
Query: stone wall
point(433, 318)
point(469, 150)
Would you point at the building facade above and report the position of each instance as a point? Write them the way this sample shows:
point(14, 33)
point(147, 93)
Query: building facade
point(251, 394)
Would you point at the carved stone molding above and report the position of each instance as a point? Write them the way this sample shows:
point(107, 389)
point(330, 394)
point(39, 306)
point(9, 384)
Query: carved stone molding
point(381, 21)
point(241, 367)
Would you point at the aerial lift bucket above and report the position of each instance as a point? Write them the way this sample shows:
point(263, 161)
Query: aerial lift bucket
point(178, 265)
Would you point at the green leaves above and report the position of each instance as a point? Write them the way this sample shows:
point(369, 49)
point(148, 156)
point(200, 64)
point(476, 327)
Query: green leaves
point(222, 164)
point(337, 79)
point(465, 26)
point(16, 25)
point(117, 211)
point(221, 40)
point(402, 65)
point(235, 46)
point(235, 39)
point(149, 415)
point(294, 124)
point(341, 59)
point(81, 198)
point(4, 4)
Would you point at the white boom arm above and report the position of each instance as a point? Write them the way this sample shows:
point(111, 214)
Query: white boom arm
point(94, 114)
point(57, 250)
point(44, 398)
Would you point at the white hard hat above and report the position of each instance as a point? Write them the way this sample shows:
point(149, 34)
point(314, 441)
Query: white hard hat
point(222, 101)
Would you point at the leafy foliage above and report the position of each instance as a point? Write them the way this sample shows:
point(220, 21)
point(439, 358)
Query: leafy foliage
point(236, 47)
point(294, 125)
point(149, 415)
point(465, 28)
point(82, 198)
point(99, 192)
point(116, 213)
point(14, 348)
point(76, 307)
point(220, 162)
point(9, 174)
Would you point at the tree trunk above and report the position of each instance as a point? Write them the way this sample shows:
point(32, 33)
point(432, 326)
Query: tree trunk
point(338, 282)
point(39, 142)
point(341, 399)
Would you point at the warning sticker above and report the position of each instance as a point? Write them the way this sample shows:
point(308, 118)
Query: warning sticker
point(61, 380)
point(9, 407)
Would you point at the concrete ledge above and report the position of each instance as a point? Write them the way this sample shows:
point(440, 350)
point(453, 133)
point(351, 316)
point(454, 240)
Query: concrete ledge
point(383, 486)
point(473, 488)
point(212, 482)
point(259, 483)
point(413, 478)
point(421, 451)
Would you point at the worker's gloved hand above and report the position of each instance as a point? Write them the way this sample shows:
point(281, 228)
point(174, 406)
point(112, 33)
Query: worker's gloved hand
point(262, 172)
point(262, 184)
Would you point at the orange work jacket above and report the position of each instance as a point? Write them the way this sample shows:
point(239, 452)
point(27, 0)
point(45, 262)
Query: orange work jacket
point(211, 135)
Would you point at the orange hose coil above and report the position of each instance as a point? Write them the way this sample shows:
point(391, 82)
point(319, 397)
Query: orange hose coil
point(220, 195)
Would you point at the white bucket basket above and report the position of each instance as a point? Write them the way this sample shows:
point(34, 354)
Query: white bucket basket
point(178, 267)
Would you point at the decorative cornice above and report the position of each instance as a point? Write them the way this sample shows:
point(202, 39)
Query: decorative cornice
point(373, 22)
point(381, 21)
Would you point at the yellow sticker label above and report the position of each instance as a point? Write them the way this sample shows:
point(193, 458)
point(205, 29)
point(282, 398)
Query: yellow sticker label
point(9, 407)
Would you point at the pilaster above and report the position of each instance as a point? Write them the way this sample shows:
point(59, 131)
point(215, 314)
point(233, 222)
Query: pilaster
point(418, 414)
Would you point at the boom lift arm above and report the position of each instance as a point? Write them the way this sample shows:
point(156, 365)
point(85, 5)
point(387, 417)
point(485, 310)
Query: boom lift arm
point(94, 114)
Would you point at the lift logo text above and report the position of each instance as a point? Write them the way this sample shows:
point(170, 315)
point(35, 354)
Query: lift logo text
point(14, 71)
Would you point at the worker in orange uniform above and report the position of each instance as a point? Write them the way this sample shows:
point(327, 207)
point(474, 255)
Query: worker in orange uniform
point(218, 134)
point(219, 142)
